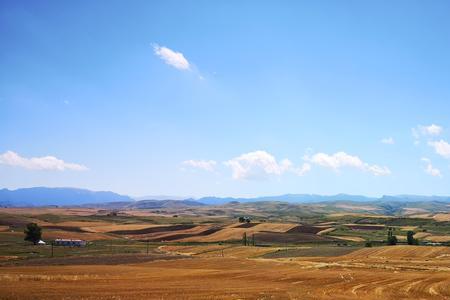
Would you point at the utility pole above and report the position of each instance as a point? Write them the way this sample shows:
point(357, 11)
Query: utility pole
point(253, 239)
point(244, 239)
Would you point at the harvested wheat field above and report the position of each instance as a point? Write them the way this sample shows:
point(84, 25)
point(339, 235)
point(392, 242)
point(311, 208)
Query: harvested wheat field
point(222, 278)
point(348, 238)
point(402, 252)
point(438, 238)
point(220, 251)
point(233, 232)
point(442, 217)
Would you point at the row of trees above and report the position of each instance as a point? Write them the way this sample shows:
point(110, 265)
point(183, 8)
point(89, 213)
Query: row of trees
point(248, 242)
point(392, 239)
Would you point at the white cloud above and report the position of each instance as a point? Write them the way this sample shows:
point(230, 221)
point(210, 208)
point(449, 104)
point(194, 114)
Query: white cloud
point(341, 159)
point(11, 158)
point(170, 57)
point(302, 170)
point(207, 165)
point(441, 147)
point(377, 170)
point(430, 130)
point(260, 165)
point(429, 169)
point(389, 141)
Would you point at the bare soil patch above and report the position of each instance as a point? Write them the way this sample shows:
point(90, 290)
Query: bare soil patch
point(246, 225)
point(185, 235)
point(153, 229)
point(65, 228)
point(306, 229)
point(283, 238)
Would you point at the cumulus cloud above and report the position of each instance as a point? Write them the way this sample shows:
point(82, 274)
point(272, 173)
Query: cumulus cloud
point(341, 159)
point(172, 58)
point(389, 141)
point(206, 165)
point(11, 158)
point(441, 147)
point(260, 165)
point(429, 169)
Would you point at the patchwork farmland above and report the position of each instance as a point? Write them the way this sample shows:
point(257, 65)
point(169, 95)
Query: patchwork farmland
point(142, 254)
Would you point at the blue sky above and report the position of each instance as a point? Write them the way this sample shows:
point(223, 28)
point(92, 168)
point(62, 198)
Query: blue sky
point(226, 98)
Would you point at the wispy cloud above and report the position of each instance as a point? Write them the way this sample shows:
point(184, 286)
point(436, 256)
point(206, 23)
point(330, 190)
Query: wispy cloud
point(429, 169)
point(341, 160)
point(432, 130)
point(171, 57)
point(206, 165)
point(11, 158)
point(389, 141)
point(441, 147)
point(302, 169)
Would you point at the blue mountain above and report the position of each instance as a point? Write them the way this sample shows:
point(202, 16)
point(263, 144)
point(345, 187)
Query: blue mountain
point(43, 196)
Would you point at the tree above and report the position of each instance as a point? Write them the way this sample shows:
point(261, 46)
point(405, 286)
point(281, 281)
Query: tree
point(392, 239)
point(244, 239)
point(369, 244)
point(410, 238)
point(33, 233)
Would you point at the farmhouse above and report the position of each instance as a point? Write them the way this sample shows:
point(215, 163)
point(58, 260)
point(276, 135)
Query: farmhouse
point(70, 243)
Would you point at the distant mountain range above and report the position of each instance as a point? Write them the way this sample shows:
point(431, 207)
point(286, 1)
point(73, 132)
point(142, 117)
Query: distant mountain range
point(160, 197)
point(44, 196)
point(290, 198)
point(312, 198)
point(147, 204)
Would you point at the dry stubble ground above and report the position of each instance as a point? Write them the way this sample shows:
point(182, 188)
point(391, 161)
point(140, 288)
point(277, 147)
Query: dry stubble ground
point(346, 277)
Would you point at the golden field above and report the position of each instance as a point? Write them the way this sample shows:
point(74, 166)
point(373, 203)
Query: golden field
point(199, 257)
point(364, 274)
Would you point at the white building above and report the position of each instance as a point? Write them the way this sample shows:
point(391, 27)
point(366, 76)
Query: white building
point(70, 243)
